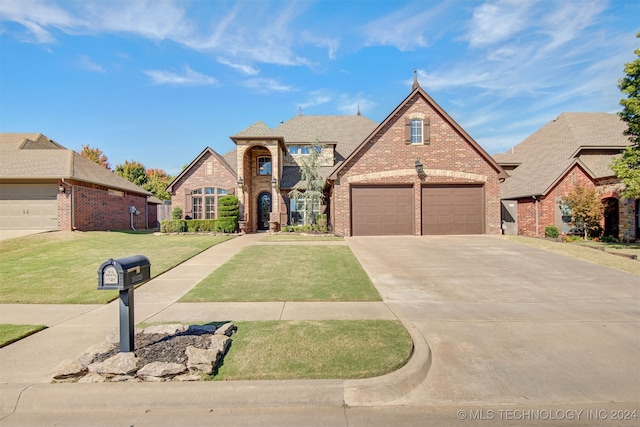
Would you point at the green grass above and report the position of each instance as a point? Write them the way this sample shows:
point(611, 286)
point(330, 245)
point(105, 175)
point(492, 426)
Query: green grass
point(287, 273)
point(300, 238)
point(579, 251)
point(332, 349)
point(13, 333)
point(623, 248)
point(61, 267)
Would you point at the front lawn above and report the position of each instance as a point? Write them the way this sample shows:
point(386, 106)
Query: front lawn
point(579, 251)
point(13, 333)
point(287, 273)
point(300, 238)
point(330, 349)
point(61, 267)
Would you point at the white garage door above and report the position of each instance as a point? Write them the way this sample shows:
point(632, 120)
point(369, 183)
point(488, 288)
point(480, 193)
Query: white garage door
point(28, 207)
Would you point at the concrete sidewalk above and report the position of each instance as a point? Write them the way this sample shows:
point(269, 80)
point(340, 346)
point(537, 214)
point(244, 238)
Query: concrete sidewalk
point(25, 365)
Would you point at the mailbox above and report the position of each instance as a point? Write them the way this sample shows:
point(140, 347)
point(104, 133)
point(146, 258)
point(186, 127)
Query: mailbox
point(124, 273)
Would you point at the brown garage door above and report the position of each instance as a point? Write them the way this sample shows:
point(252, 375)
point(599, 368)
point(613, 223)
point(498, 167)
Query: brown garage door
point(452, 209)
point(381, 211)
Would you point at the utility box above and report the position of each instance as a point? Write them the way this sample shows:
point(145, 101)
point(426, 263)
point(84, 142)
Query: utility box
point(124, 273)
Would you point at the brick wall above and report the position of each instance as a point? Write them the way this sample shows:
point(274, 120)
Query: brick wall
point(547, 205)
point(207, 172)
point(448, 158)
point(89, 207)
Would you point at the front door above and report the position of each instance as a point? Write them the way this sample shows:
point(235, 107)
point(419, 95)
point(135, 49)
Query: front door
point(264, 211)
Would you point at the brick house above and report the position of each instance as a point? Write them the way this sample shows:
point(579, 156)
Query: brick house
point(574, 149)
point(45, 186)
point(416, 173)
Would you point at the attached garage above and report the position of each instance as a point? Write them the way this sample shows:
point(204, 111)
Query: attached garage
point(452, 209)
point(382, 210)
point(28, 206)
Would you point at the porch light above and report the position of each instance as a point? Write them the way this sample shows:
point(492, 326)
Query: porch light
point(61, 189)
point(274, 182)
point(240, 182)
point(419, 167)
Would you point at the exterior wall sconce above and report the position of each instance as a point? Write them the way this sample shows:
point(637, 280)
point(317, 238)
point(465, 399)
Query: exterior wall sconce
point(274, 182)
point(240, 182)
point(61, 189)
point(419, 167)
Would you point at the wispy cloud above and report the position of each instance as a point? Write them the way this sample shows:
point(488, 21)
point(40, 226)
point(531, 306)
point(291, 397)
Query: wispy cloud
point(496, 21)
point(88, 64)
point(266, 85)
point(405, 29)
point(350, 104)
point(187, 78)
point(249, 70)
point(38, 17)
point(317, 97)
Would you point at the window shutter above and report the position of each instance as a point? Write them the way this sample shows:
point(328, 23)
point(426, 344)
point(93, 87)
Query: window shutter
point(426, 126)
point(407, 131)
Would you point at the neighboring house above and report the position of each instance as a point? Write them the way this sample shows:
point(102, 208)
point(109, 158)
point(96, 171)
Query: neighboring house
point(45, 186)
point(574, 149)
point(416, 173)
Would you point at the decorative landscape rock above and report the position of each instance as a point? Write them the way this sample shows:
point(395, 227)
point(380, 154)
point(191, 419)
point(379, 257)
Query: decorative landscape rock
point(120, 364)
point(227, 329)
point(161, 369)
point(202, 360)
point(68, 369)
point(162, 353)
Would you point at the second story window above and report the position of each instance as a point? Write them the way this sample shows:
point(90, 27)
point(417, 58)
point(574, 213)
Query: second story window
point(416, 131)
point(294, 149)
point(264, 165)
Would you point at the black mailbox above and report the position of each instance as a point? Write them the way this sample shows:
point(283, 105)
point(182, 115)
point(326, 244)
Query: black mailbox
point(124, 273)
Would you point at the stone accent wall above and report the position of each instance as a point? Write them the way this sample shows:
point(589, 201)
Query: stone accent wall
point(448, 158)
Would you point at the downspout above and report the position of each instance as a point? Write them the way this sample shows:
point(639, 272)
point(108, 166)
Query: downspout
point(73, 204)
point(131, 210)
point(537, 216)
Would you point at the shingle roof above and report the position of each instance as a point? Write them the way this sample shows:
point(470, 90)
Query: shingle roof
point(34, 156)
point(292, 175)
point(347, 132)
point(547, 154)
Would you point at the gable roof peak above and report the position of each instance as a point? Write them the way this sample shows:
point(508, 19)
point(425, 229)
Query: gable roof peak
point(415, 85)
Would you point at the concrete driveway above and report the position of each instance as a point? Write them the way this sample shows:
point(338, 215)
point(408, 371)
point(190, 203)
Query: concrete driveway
point(509, 324)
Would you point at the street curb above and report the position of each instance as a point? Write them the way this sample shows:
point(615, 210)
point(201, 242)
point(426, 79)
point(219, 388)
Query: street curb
point(388, 389)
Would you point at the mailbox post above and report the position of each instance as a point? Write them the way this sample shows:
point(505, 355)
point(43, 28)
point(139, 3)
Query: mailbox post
point(123, 275)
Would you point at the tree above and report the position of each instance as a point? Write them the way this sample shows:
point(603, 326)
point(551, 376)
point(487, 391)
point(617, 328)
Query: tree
point(157, 182)
point(586, 209)
point(311, 186)
point(133, 171)
point(627, 167)
point(95, 155)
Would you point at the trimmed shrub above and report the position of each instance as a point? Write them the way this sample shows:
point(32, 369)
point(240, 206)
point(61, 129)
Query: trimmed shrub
point(199, 225)
point(551, 231)
point(173, 226)
point(176, 213)
point(228, 212)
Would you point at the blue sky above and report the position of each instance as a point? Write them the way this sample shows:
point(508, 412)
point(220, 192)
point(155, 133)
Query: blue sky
point(157, 81)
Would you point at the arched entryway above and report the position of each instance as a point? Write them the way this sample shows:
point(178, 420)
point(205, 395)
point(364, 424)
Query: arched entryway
point(611, 217)
point(264, 210)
